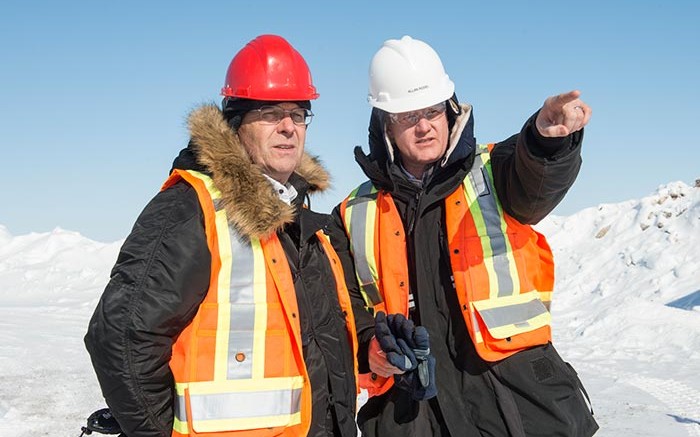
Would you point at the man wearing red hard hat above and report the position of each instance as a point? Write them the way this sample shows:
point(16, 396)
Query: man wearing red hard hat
point(227, 313)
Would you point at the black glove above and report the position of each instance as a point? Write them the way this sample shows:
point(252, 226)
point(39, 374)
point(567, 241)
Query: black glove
point(414, 342)
point(407, 347)
point(397, 351)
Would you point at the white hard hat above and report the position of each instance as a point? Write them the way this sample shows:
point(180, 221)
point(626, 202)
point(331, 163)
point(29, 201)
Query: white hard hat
point(406, 75)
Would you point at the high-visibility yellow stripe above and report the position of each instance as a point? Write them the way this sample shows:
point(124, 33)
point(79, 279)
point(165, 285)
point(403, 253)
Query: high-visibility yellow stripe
point(478, 336)
point(512, 267)
point(371, 221)
point(223, 328)
point(180, 426)
point(479, 223)
point(362, 242)
point(180, 410)
point(208, 183)
point(348, 211)
point(260, 298)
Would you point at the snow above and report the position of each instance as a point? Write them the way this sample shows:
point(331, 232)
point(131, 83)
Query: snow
point(626, 314)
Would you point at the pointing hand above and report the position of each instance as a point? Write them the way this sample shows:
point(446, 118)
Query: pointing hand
point(562, 115)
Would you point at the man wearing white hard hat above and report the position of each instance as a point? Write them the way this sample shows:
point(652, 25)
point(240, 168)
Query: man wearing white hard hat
point(439, 244)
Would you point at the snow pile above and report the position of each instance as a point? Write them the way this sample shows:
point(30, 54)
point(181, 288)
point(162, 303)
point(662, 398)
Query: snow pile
point(52, 267)
point(627, 277)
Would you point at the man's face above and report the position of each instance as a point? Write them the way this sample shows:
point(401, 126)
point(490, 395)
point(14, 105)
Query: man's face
point(421, 136)
point(277, 147)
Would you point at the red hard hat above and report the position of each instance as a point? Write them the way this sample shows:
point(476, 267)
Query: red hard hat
point(269, 68)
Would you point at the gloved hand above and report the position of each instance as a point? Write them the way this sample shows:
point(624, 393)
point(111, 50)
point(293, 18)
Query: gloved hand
point(419, 379)
point(397, 351)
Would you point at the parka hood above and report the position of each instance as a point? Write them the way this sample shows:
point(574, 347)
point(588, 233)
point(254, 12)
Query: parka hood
point(252, 205)
point(378, 164)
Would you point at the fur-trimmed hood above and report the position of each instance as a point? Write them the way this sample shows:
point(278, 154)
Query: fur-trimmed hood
point(252, 205)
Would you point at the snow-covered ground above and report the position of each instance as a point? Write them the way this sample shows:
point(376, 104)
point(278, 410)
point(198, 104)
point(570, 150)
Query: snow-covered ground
point(627, 309)
point(626, 315)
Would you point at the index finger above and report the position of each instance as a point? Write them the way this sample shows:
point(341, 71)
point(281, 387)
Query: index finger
point(563, 99)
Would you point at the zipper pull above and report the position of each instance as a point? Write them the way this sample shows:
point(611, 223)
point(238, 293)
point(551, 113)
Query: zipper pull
point(414, 212)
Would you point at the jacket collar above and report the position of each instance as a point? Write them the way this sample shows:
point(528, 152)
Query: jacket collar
point(251, 204)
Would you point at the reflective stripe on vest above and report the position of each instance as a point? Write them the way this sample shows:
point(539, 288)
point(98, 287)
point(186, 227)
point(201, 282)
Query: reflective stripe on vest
point(489, 251)
point(230, 332)
point(361, 210)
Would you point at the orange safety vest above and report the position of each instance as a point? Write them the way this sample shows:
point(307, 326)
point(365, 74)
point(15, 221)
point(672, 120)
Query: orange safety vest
point(503, 270)
point(238, 366)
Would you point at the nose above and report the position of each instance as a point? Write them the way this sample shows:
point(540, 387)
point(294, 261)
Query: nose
point(423, 125)
point(286, 124)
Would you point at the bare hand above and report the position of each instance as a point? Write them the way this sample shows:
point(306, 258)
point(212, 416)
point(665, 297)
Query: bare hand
point(562, 115)
point(378, 362)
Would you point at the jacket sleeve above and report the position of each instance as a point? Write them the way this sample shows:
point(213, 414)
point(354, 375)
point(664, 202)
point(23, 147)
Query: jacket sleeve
point(532, 173)
point(364, 320)
point(159, 280)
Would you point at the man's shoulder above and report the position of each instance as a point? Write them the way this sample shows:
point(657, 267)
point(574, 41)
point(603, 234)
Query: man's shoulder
point(178, 202)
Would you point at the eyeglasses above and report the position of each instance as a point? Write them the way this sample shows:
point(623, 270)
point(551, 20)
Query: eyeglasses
point(408, 119)
point(275, 114)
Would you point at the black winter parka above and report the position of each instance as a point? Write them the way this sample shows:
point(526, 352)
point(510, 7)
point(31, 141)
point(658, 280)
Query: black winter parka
point(162, 275)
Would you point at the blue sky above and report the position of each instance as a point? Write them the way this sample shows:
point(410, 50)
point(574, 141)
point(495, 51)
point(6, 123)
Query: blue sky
point(95, 95)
